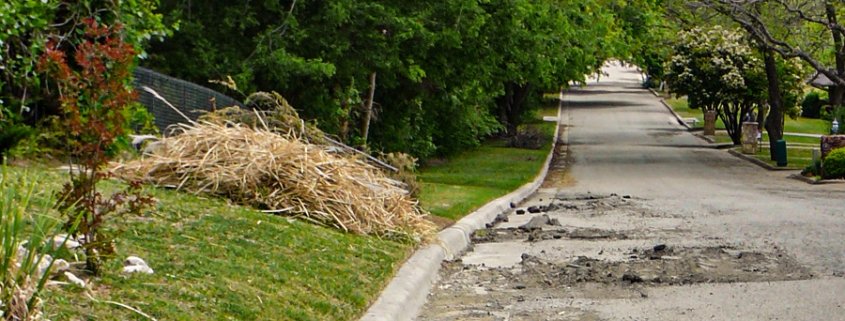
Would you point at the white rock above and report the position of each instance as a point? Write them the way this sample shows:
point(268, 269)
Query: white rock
point(44, 264)
point(60, 265)
point(60, 239)
point(137, 269)
point(134, 264)
point(74, 280)
point(134, 260)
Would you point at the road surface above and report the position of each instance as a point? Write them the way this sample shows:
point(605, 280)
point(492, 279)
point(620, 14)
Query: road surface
point(651, 224)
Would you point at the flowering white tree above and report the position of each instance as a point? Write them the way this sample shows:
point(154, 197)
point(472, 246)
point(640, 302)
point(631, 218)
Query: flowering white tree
point(718, 70)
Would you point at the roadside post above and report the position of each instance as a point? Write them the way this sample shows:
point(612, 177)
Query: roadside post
point(710, 123)
point(749, 138)
point(780, 153)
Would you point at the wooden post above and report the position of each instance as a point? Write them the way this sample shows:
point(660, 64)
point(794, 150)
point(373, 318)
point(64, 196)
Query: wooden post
point(369, 113)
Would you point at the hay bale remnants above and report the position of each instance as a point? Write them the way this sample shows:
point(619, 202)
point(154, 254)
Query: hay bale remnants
point(271, 111)
point(284, 175)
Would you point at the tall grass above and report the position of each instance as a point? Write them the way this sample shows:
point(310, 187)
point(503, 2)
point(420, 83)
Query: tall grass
point(25, 244)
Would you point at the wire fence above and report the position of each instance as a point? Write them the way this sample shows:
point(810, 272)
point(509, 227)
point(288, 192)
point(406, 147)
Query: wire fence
point(191, 99)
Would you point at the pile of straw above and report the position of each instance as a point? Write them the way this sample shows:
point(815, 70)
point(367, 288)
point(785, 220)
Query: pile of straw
point(282, 175)
point(270, 110)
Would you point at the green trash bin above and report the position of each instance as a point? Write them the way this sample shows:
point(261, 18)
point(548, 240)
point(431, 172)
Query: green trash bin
point(780, 153)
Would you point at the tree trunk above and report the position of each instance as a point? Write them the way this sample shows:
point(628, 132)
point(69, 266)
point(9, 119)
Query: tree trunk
point(520, 93)
point(504, 102)
point(774, 122)
point(511, 104)
point(836, 95)
point(369, 113)
point(836, 92)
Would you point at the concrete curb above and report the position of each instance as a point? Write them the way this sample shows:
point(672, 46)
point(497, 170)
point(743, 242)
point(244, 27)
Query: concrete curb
point(407, 292)
point(678, 117)
point(761, 163)
point(684, 124)
point(811, 181)
point(655, 93)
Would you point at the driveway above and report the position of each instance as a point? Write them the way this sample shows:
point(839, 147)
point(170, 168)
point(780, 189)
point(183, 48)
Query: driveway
point(648, 223)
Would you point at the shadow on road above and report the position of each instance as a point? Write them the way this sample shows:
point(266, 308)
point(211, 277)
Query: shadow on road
point(579, 92)
point(600, 104)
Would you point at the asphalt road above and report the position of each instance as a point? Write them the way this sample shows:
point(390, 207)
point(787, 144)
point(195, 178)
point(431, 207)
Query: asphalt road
point(744, 243)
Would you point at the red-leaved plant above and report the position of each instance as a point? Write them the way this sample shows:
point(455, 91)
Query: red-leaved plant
point(94, 94)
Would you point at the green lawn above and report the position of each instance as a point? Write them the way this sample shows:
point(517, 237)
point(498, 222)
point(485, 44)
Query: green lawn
point(464, 182)
point(216, 261)
point(722, 137)
point(807, 126)
point(680, 106)
point(800, 125)
point(795, 157)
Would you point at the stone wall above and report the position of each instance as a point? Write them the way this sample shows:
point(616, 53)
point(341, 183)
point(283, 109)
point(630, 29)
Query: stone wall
point(830, 143)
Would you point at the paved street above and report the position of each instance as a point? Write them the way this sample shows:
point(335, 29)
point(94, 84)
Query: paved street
point(651, 224)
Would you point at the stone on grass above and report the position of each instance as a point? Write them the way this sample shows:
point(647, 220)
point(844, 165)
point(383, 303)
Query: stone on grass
point(69, 243)
point(134, 264)
point(73, 279)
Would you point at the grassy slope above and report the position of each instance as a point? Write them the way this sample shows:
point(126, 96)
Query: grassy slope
point(469, 180)
point(215, 261)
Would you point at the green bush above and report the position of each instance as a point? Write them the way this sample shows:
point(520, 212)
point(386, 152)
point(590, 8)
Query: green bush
point(11, 134)
point(813, 169)
point(834, 164)
point(812, 104)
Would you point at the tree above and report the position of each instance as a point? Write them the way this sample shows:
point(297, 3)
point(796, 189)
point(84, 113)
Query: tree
point(717, 71)
point(770, 24)
point(449, 72)
point(786, 32)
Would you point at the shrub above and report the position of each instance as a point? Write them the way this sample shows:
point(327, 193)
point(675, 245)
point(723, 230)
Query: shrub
point(94, 96)
point(813, 169)
point(812, 104)
point(11, 135)
point(834, 164)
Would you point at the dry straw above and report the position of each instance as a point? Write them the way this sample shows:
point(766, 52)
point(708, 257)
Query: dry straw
point(282, 174)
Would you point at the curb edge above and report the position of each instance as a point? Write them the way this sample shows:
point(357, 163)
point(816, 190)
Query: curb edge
point(406, 293)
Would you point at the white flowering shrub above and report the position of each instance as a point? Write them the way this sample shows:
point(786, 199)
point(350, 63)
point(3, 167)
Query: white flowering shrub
point(713, 67)
point(717, 69)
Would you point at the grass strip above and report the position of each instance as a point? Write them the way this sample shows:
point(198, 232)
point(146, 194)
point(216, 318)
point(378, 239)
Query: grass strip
point(800, 125)
point(454, 187)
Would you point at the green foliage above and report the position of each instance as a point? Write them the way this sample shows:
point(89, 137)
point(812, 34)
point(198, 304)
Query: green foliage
point(812, 170)
point(838, 114)
point(812, 103)
point(20, 280)
point(11, 135)
point(834, 164)
point(441, 65)
point(26, 26)
point(94, 99)
point(644, 33)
